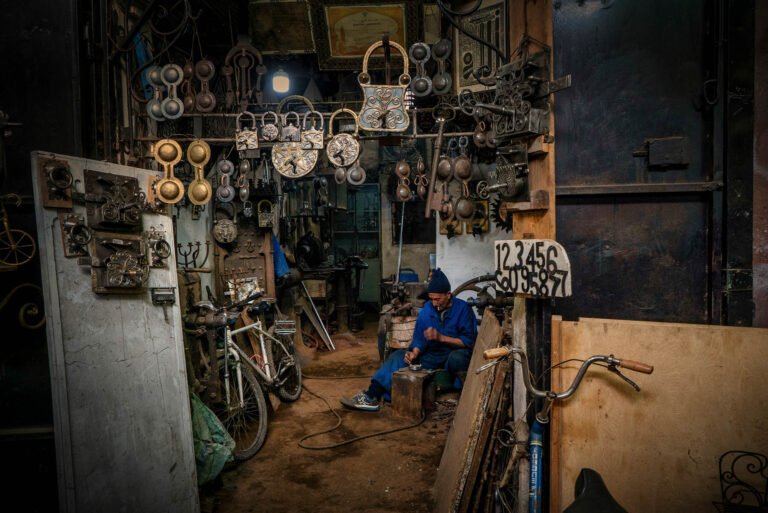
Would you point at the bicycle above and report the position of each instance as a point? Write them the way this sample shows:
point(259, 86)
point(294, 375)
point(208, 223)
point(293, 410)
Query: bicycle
point(234, 380)
point(601, 496)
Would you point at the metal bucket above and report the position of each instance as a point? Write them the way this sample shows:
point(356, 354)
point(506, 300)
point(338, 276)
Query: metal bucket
point(402, 332)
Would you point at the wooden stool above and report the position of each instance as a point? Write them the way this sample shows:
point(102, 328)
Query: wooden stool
point(412, 391)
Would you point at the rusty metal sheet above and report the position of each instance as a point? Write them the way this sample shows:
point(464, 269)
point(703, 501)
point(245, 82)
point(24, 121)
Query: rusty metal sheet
point(641, 259)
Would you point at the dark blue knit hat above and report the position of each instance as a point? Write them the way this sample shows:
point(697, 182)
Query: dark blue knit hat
point(439, 283)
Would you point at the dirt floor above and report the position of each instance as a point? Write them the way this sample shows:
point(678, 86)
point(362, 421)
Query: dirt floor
point(392, 472)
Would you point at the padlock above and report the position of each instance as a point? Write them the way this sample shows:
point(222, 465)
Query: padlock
point(225, 230)
point(269, 131)
point(384, 105)
point(247, 209)
point(266, 214)
point(247, 138)
point(311, 136)
point(343, 149)
point(292, 161)
point(290, 132)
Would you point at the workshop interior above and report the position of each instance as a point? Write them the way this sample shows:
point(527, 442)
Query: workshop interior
point(220, 218)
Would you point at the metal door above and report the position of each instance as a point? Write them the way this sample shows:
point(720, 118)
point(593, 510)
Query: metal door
point(637, 197)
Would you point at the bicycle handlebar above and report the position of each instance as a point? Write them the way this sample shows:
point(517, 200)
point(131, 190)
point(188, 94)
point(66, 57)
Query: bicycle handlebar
point(612, 362)
point(500, 352)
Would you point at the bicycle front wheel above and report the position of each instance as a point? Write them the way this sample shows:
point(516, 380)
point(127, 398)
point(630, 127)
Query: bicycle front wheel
point(246, 423)
point(287, 369)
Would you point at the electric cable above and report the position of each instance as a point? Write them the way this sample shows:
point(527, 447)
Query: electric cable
point(340, 421)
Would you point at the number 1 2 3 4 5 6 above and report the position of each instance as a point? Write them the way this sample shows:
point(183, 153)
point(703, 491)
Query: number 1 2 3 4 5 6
point(532, 267)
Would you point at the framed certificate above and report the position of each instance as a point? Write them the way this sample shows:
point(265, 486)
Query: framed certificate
point(344, 29)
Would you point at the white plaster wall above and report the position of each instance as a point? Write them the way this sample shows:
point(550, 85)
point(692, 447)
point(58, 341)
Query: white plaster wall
point(415, 256)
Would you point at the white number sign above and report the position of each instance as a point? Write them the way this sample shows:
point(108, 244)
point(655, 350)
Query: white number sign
point(532, 267)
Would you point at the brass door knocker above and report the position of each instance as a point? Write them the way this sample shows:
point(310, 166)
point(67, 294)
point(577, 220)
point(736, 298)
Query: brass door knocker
point(383, 105)
point(198, 154)
point(172, 75)
point(403, 171)
point(205, 99)
point(225, 192)
point(168, 189)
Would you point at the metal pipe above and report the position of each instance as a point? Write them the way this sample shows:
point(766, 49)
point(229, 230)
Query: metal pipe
point(435, 158)
point(400, 244)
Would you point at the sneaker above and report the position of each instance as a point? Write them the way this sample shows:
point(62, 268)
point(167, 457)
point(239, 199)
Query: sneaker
point(361, 402)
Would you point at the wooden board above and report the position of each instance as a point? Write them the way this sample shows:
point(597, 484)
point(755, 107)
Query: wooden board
point(658, 449)
point(457, 459)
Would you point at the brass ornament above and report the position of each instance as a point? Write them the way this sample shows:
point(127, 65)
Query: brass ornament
point(168, 189)
point(384, 105)
point(198, 155)
point(343, 149)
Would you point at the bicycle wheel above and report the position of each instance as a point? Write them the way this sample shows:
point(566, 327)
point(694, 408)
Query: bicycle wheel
point(246, 424)
point(287, 369)
point(17, 247)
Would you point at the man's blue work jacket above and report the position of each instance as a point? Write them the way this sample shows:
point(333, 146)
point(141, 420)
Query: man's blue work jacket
point(457, 321)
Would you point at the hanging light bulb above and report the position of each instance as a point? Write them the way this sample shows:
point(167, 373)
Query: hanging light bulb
point(281, 82)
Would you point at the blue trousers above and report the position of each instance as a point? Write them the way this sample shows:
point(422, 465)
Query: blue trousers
point(456, 360)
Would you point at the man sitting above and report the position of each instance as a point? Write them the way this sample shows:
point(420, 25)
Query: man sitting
point(445, 333)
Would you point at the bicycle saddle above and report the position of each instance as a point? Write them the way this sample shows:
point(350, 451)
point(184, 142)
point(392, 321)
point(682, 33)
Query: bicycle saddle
point(592, 496)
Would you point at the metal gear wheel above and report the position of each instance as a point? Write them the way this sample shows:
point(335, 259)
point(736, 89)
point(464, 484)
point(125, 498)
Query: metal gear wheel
point(498, 220)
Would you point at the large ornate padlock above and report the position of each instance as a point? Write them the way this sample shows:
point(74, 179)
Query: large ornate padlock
point(247, 138)
point(311, 135)
point(383, 105)
point(343, 149)
point(225, 230)
point(290, 131)
point(293, 161)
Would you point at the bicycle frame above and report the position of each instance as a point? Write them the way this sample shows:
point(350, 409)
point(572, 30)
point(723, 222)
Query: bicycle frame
point(266, 374)
point(536, 437)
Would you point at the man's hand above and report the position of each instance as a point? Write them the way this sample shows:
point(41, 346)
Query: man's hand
point(432, 334)
point(410, 356)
